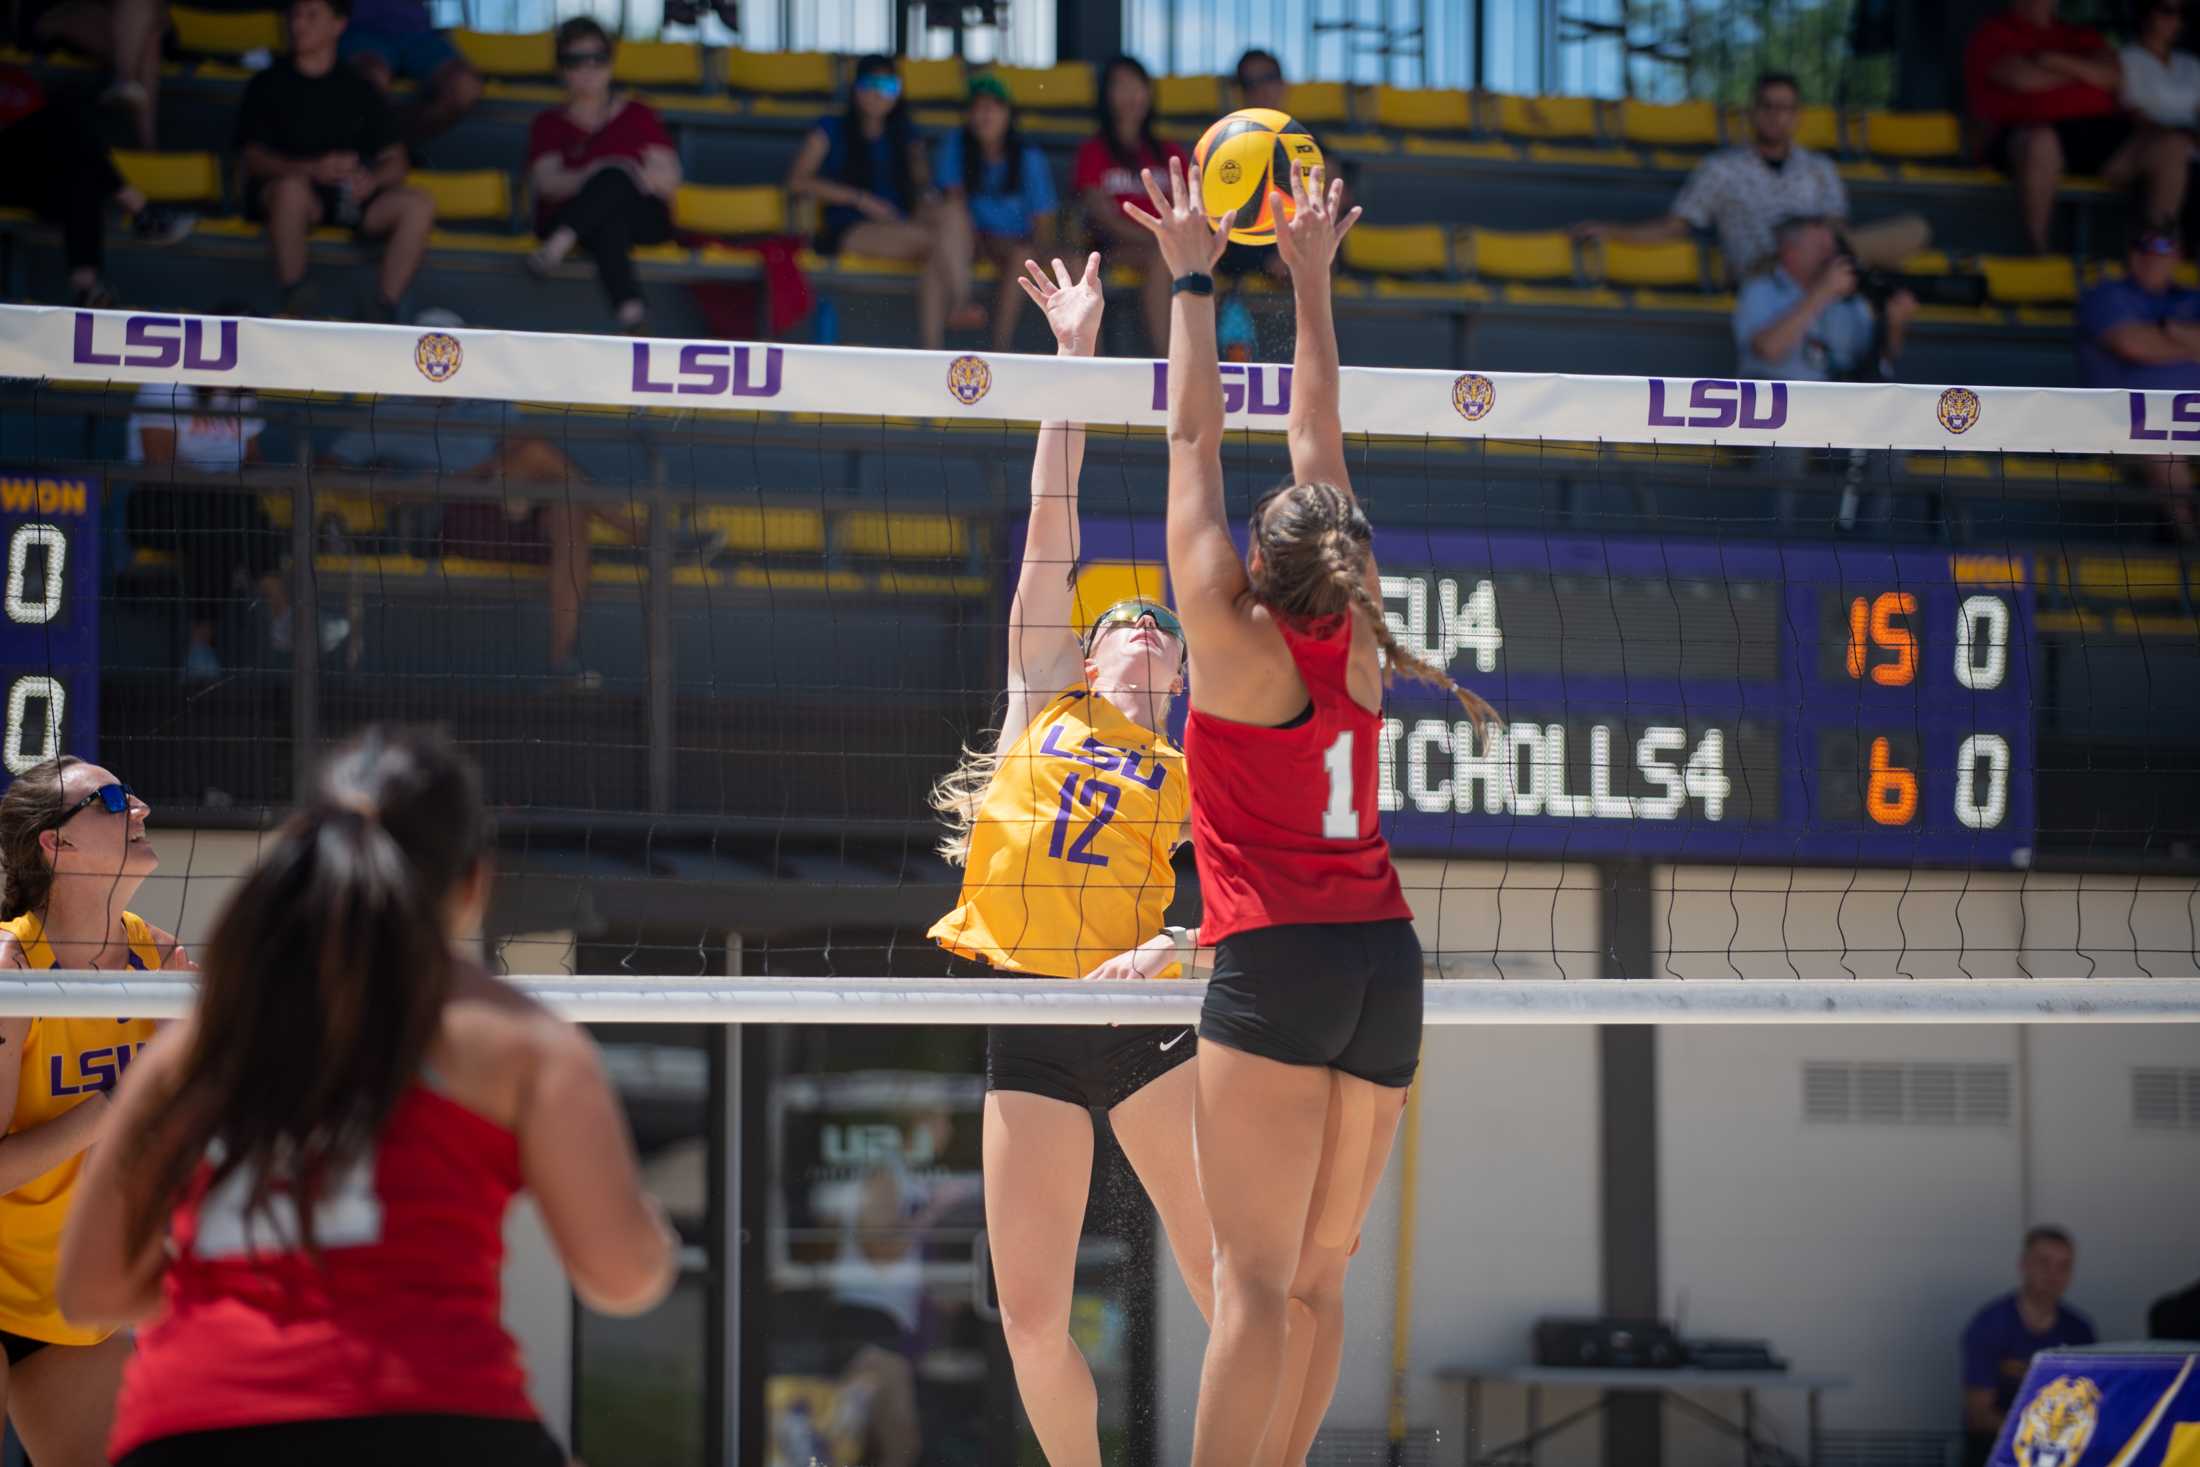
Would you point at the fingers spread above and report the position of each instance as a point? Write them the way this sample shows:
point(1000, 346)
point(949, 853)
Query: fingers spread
point(1153, 190)
point(1141, 218)
point(1092, 268)
point(1040, 277)
point(1061, 273)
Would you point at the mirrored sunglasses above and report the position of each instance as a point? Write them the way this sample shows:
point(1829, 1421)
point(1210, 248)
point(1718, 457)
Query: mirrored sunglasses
point(116, 798)
point(1130, 614)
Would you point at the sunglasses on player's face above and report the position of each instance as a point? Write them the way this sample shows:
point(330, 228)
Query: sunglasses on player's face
point(115, 797)
point(1130, 614)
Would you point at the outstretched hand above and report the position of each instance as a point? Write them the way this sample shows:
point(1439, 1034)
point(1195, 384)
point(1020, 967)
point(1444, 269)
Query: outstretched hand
point(1072, 307)
point(1308, 240)
point(1190, 242)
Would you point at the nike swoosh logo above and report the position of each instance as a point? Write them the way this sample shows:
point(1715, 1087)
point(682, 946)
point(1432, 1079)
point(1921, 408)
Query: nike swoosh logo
point(1171, 1044)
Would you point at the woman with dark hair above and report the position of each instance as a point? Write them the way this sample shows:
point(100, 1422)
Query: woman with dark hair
point(1106, 178)
point(867, 166)
point(1003, 184)
point(73, 854)
point(604, 172)
point(305, 1185)
point(1311, 1027)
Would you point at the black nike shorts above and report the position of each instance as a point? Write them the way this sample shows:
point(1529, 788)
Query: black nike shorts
point(360, 1441)
point(1098, 1066)
point(1342, 994)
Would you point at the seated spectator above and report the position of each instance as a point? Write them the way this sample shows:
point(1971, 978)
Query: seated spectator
point(319, 147)
point(1106, 178)
point(1005, 185)
point(2176, 1316)
point(127, 35)
point(604, 172)
point(868, 167)
point(2002, 1338)
point(2044, 92)
point(1803, 321)
point(2143, 331)
point(53, 163)
point(389, 39)
point(2161, 83)
point(1742, 192)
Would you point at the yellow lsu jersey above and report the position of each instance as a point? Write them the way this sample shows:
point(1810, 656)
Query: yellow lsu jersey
point(63, 1062)
point(1069, 858)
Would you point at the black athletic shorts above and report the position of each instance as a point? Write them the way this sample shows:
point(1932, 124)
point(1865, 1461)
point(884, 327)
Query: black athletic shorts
point(2087, 142)
point(1098, 1066)
point(360, 1441)
point(20, 1347)
point(1342, 994)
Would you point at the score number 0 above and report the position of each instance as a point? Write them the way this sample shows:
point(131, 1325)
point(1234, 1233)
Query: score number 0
point(24, 610)
point(1982, 627)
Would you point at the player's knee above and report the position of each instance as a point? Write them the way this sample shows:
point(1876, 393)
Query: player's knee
point(287, 196)
point(1032, 1325)
point(1250, 1285)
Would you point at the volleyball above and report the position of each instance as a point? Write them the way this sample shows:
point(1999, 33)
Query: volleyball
point(1240, 158)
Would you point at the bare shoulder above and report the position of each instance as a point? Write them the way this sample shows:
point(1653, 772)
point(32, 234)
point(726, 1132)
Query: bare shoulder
point(1249, 677)
point(496, 1042)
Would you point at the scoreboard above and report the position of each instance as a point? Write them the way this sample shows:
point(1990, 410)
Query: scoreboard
point(1696, 700)
point(49, 637)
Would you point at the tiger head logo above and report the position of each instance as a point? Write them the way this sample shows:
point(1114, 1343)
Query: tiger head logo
point(438, 356)
point(2057, 1423)
point(1473, 395)
point(969, 379)
point(1959, 410)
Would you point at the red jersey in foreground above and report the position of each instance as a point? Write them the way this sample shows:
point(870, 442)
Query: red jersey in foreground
point(1284, 819)
point(402, 1314)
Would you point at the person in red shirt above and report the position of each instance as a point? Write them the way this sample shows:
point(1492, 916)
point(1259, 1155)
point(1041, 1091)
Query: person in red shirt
point(2043, 93)
point(604, 171)
point(301, 1194)
point(1105, 178)
point(1311, 1027)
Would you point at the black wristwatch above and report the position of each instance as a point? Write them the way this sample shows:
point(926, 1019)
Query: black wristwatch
point(1196, 283)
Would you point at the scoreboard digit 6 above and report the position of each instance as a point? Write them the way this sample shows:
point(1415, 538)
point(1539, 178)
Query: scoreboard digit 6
point(49, 634)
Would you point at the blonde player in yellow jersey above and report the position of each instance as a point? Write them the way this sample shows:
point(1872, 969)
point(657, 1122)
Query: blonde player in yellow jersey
point(73, 853)
point(1065, 832)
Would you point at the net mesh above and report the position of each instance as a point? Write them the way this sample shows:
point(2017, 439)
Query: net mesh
point(1918, 704)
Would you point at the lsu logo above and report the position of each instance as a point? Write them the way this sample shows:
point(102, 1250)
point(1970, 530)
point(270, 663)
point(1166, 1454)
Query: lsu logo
point(1473, 395)
point(438, 356)
point(2058, 1422)
point(1958, 410)
point(969, 379)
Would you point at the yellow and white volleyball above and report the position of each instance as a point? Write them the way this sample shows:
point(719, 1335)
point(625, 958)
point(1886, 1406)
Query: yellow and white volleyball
point(1241, 158)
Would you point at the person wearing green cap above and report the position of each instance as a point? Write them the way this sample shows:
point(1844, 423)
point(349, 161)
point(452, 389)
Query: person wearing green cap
point(1004, 185)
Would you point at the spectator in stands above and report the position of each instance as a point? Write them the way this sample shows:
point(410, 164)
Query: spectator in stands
point(2161, 83)
point(2002, 1338)
point(127, 35)
point(2176, 1316)
point(988, 170)
point(1260, 83)
point(1106, 178)
point(604, 170)
point(2143, 331)
point(389, 39)
point(319, 147)
point(1803, 320)
point(53, 163)
point(868, 167)
point(2045, 95)
point(1741, 193)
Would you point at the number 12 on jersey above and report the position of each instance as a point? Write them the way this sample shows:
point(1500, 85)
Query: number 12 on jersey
point(1101, 797)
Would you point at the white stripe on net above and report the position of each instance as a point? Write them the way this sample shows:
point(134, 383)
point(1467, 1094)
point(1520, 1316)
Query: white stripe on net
point(652, 1000)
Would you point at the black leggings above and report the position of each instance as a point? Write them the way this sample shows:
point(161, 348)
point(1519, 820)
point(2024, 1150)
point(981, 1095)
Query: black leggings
point(611, 215)
point(53, 163)
point(214, 532)
point(360, 1441)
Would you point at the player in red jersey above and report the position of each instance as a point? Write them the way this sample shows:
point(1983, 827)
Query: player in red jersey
point(303, 1186)
point(1312, 1024)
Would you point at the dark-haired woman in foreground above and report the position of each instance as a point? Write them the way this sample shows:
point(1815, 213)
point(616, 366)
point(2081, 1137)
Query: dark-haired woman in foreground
point(304, 1184)
point(1311, 1029)
point(73, 853)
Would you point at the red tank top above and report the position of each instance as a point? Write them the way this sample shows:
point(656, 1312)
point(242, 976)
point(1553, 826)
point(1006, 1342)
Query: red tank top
point(1284, 819)
point(402, 1314)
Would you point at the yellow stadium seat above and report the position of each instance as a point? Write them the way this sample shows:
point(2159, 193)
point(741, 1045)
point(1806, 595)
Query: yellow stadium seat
point(903, 534)
point(932, 81)
point(1547, 117)
point(2030, 280)
point(481, 195)
point(1819, 128)
point(739, 209)
point(1501, 254)
point(1407, 249)
point(172, 178)
point(1320, 102)
point(226, 32)
point(1675, 262)
point(1064, 88)
point(1417, 109)
point(493, 53)
point(1927, 262)
point(1198, 97)
point(761, 528)
point(658, 64)
point(786, 73)
point(1669, 125)
point(1912, 135)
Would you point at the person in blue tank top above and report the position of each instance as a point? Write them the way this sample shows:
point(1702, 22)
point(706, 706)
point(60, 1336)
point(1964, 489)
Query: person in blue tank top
point(867, 166)
point(987, 169)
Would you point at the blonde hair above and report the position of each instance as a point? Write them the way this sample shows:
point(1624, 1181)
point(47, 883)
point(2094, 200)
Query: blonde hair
point(1314, 542)
point(960, 794)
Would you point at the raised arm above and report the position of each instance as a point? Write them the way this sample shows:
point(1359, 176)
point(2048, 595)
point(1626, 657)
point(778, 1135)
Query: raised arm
point(1307, 243)
point(1043, 654)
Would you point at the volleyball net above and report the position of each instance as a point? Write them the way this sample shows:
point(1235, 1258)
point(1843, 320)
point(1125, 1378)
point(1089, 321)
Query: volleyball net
point(1853, 687)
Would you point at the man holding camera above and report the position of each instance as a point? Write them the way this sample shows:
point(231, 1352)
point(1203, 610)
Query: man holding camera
point(2143, 332)
point(1805, 320)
